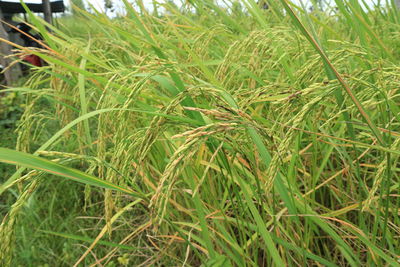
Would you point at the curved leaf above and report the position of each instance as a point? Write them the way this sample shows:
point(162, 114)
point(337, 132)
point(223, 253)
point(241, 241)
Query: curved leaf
point(34, 162)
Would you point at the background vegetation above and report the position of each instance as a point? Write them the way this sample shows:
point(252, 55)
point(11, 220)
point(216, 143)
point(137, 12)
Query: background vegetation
point(209, 135)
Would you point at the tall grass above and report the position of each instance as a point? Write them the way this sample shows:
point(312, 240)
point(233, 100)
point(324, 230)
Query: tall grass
point(224, 136)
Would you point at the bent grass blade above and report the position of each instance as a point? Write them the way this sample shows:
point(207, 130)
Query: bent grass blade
point(34, 162)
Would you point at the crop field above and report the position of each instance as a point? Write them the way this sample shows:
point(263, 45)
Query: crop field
point(207, 135)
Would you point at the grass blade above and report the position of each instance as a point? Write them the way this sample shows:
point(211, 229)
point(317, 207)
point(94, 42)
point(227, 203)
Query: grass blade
point(34, 162)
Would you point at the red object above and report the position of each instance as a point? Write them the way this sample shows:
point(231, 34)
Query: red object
point(34, 60)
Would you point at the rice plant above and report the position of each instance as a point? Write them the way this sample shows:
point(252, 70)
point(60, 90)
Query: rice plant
point(209, 135)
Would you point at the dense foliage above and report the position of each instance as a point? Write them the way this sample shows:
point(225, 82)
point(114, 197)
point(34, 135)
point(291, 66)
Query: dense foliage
point(224, 136)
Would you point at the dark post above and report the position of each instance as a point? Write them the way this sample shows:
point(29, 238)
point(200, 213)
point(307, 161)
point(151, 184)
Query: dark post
point(12, 74)
point(47, 11)
point(263, 4)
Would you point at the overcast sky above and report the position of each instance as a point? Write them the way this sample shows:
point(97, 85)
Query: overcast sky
point(99, 4)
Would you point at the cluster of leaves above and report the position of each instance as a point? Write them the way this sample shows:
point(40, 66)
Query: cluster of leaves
point(214, 135)
point(12, 106)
